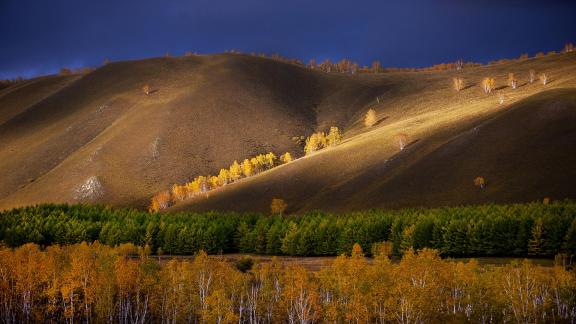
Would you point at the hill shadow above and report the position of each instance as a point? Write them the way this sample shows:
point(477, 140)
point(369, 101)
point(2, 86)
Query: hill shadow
point(381, 120)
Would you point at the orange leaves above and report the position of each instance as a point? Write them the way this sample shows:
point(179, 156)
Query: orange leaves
point(160, 201)
point(488, 85)
point(97, 283)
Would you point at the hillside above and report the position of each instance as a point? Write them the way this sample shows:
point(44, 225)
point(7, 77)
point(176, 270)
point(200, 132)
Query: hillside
point(98, 138)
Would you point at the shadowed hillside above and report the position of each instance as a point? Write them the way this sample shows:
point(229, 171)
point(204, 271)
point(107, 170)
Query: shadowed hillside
point(99, 138)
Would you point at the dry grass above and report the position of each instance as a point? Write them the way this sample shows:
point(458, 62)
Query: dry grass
point(210, 110)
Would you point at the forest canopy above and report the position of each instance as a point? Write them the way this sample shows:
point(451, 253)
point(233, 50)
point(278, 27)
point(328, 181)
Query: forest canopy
point(532, 229)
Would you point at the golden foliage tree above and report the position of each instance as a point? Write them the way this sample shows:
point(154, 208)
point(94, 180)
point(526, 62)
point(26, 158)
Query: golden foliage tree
point(270, 160)
point(223, 177)
point(370, 118)
point(286, 158)
point(278, 206)
point(334, 137)
point(179, 193)
point(247, 168)
point(315, 142)
point(160, 201)
point(235, 171)
point(488, 85)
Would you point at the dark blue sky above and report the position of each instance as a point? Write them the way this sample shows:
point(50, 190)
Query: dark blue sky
point(40, 36)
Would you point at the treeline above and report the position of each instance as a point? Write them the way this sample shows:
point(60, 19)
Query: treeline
point(203, 184)
point(9, 82)
point(534, 229)
point(96, 283)
point(247, 168)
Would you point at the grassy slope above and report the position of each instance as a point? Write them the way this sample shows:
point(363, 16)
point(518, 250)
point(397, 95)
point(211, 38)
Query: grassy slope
point(207, 111)
point(524, 149)
point(210, 110)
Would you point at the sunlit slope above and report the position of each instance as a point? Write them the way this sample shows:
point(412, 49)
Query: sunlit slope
point(99, 139)
point(455, 138)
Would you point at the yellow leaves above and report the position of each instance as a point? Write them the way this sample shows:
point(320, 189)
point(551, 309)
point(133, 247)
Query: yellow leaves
point(235, 171)
point(214, 182)
point(278, 206)
point(370, 118)
point(334, 137)
point(223, 177)
point(247, 169)
point(312, 143)
point(179, 193)
point(286, 158)
point(357, 251)
point(270, 159)
point(320, 140)
point(202, 184)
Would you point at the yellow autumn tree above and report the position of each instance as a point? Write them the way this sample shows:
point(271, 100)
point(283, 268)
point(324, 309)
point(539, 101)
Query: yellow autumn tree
point(370, 118)
point(278, 206)
point(270, 160)
point(247, 169)
point(315, 142)
point(286, 157)
point(223, 177)
point(488, 84)
point(214, 182)
point(178, 193)
point(334, 137)
point(235, 171)
point(160, 201)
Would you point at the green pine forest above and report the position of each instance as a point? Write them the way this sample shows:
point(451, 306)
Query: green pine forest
point(516, 230)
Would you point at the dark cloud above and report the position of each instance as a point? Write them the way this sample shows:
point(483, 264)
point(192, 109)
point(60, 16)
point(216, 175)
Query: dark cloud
point(41, 36)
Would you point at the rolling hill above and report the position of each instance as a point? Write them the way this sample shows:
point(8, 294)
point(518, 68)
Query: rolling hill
point(97, 138)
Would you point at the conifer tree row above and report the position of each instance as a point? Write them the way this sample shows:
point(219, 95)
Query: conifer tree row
point(519, 230)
